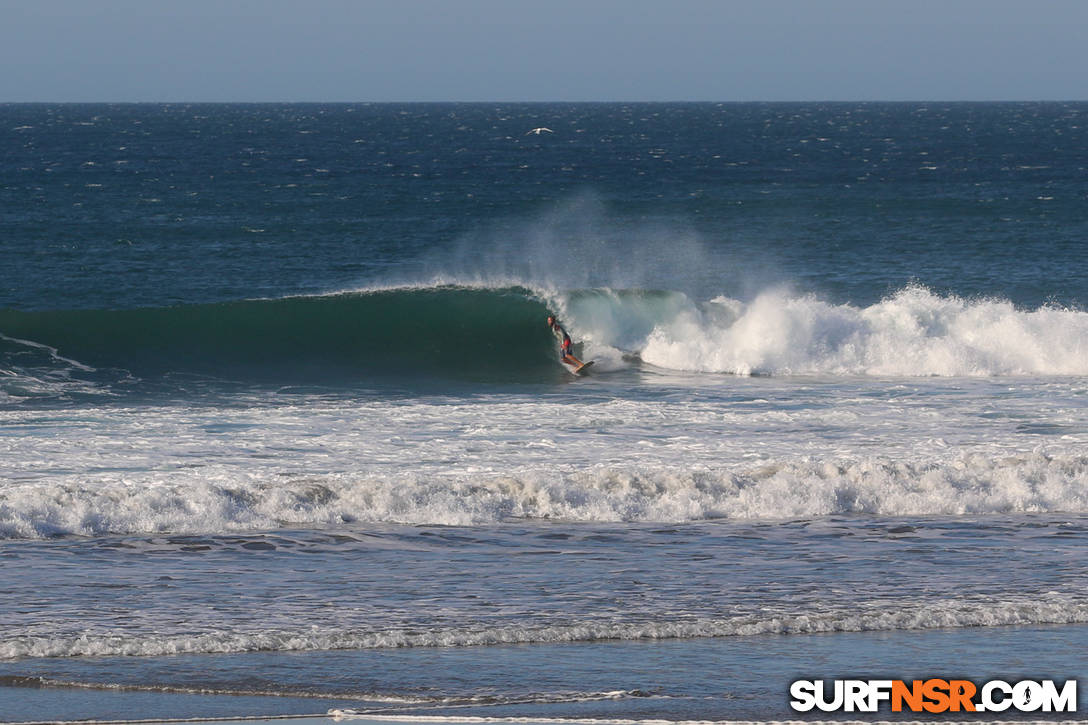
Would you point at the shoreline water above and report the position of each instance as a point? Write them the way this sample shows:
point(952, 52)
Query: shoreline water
point(715, 679)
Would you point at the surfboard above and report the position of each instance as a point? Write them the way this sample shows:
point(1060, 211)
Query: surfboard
point(578, 369)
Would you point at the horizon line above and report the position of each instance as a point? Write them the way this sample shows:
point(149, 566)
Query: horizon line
point(524, 101)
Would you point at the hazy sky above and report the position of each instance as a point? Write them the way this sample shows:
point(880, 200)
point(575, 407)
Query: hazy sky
point(577, 50)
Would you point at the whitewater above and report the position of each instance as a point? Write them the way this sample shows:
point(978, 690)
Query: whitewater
point(208, 471)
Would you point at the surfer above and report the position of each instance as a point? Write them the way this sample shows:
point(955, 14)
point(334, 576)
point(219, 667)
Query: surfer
point(564, 343)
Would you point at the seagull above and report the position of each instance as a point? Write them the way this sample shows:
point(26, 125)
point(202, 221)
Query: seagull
point(539, 131)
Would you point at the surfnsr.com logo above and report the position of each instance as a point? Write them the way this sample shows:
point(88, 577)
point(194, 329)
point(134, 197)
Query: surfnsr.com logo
point(933, 696)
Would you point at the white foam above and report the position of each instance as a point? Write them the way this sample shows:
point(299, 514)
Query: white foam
point(1051, 608)
point(913, 333)
point(217, 501)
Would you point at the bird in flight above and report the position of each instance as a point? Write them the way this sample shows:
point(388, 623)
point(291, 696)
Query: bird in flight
point(539, 131)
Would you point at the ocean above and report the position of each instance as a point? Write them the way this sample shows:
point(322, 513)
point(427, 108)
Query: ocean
point(283, 429)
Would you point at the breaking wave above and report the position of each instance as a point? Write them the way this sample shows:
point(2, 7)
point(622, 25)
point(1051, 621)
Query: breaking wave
point(433, 331)
point(911, 333)
point(497, 333)
point(342, 336)
point(205, 504)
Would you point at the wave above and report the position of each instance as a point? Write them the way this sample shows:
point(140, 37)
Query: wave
point(457, 331)
point(203, 503)
point(1051, 608)
point(497, 333)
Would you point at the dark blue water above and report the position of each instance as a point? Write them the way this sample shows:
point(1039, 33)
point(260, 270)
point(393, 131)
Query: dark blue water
point(281, 422)
point(108, 206)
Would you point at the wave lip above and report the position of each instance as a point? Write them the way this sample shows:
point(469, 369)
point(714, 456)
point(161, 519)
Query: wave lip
point(1052, 608)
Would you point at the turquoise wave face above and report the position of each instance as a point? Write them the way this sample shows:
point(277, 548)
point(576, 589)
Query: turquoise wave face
point(454, 332)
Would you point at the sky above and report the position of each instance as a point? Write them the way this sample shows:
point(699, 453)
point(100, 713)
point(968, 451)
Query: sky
point(542, 50)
